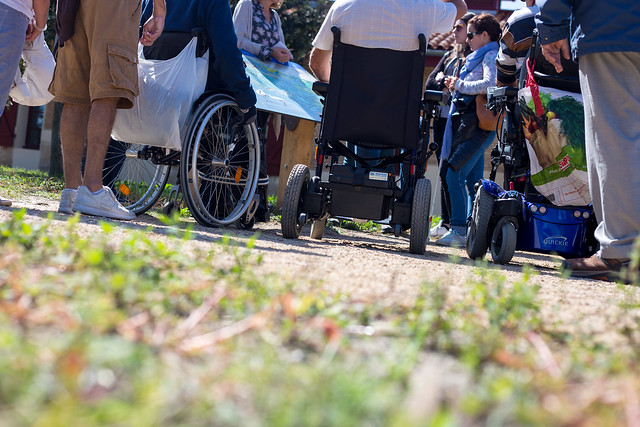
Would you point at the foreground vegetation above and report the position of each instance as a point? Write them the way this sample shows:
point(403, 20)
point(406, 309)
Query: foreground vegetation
point(139, 329)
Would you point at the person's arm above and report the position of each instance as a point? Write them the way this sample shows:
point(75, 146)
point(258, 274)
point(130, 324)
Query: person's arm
point(433, 82)
point(226, 66)
point(553, 26)
point(242, 16)
point(152, 29)
point(39, 22)
point(320, 63)
point(285, 53)
point(461, 7)
point(475, 87)
point(506, 61)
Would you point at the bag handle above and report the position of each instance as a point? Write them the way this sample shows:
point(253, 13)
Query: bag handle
point(531, 82)
point(533, 86)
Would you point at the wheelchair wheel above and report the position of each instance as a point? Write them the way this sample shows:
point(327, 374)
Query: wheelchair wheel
point(220, 163)
point(292, 205)
point(503, 242)
point(135, 179)
point(477, 230)
point(420, 217)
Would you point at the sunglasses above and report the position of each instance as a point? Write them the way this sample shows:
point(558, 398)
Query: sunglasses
point(470, 36)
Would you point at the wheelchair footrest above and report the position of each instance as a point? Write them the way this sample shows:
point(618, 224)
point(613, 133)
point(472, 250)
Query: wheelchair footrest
point(401, 213)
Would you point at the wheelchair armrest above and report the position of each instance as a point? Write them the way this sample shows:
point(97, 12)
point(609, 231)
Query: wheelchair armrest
point(433, 96)
point(506, 91)
point(497, 97)
point(321, 88)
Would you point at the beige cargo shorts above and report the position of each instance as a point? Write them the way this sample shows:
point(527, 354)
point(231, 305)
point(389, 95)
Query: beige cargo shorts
point(100, 60)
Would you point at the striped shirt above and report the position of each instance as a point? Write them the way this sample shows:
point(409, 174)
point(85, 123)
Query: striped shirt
point(515, 43)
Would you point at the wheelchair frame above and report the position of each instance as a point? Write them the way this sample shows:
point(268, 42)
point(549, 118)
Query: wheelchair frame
point(367, 191)
point(521, 218)
point(218, 167)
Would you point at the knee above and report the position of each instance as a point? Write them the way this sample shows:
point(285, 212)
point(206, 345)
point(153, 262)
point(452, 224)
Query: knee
point(453, 179)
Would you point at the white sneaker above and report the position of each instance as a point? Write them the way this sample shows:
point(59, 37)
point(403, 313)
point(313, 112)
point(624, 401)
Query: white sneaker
point(66, 201)
point(438, 230)
point(452, 239)
point(102, 204)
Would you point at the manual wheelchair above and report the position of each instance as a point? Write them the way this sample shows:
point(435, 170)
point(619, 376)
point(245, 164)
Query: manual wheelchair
point(516, 216)
point(218, 166)
point(373, 101)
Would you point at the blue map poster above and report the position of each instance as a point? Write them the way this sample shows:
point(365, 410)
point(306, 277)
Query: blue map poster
point(283, 88)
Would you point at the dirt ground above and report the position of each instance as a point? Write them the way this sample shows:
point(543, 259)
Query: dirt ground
point(372, 266)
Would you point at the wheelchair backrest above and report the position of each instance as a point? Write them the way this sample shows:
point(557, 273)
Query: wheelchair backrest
point(546, 75)
point(374, 95)
point(170, 43)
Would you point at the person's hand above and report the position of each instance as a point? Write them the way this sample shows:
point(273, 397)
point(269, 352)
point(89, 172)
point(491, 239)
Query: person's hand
point(281, 54)
point(32, 31)
point(247, 118)
point(151, 30)
point(553, 52)
point(450, 83)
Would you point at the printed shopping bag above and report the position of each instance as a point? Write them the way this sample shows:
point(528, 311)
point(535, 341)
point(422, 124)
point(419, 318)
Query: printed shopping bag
point(553, 122)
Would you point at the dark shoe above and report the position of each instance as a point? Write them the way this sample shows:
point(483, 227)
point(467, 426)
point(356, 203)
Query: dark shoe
point(594, 267)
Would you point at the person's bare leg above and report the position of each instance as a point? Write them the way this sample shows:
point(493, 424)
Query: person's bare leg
point(73, 132)
point(103, 112)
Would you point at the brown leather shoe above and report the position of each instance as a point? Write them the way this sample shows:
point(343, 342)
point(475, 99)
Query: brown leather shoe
point(5, 202)
point(594, 267)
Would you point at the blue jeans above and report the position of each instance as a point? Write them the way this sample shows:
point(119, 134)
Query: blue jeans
point(460, 183)
point(13, 27)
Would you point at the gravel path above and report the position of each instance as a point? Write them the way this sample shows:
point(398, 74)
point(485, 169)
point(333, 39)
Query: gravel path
point(372, 266)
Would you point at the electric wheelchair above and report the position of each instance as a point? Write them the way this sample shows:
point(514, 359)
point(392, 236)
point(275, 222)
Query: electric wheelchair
point(516, 216)
point(373, 101)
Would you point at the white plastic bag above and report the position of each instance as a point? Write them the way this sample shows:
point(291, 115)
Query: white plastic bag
point(168, 89)
point(32, 87)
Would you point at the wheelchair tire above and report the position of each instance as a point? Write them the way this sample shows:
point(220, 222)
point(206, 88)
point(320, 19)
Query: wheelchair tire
point(293, 202)
point(478, 228)
point(503, 242)
point(135, 179)
point(317, 228)
point(243, 224)
point(220, 163)
point(420, 208)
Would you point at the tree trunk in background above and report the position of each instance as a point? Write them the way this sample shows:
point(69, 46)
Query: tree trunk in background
point(55, 164)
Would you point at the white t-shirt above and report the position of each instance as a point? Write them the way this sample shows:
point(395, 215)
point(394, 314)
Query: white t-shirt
point(22, 6)
point(389, 24)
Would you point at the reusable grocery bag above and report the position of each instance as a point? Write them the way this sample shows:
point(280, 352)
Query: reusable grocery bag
point(168, 89)
point(553, 122)
point(32, 87)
